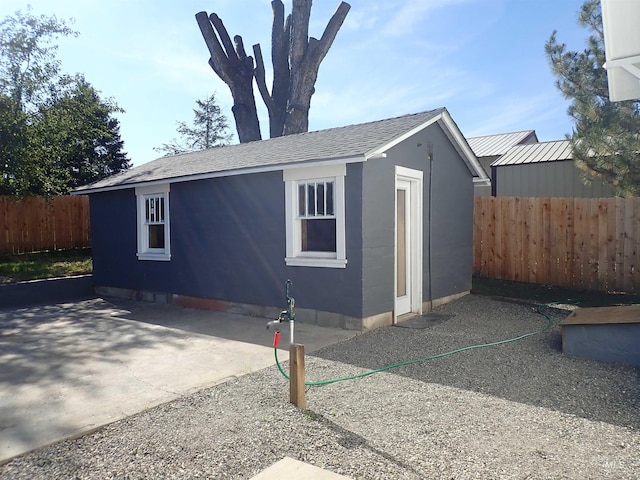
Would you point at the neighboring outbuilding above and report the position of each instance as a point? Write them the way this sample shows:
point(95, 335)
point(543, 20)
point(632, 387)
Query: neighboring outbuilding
point(370, 222)
point(489, 148)
point(544, 169)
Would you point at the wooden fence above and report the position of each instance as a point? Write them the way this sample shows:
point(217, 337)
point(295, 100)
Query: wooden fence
point(37, 223)
point(582, 243)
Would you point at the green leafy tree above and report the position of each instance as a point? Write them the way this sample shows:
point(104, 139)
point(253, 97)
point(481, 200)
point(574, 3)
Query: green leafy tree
point(77, 137)
point(28, 63)
point(605, 136)
point(14, 151)
point(209, 129)
point(55, 131)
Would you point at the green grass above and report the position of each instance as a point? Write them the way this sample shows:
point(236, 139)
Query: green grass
point(50, 264)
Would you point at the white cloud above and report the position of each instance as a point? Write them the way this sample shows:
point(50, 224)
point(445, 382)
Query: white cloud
point(413, 12)
point(383, 96)
point(515, 113)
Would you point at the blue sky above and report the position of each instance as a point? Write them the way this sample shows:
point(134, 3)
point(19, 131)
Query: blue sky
point(481, 59)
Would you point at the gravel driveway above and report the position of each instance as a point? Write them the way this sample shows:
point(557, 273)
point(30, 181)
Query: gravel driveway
point(521, 410)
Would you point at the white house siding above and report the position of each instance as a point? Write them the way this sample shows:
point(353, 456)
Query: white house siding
point(546, 179)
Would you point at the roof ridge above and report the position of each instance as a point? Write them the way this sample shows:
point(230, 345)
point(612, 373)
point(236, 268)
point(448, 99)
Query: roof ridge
point(311, 132)
point(531, 145)
point(501, 134)
point(350, 142)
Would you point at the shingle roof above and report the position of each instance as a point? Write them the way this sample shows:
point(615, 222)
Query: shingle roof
point(536, 152)
point(492, 145)
point(331, 144)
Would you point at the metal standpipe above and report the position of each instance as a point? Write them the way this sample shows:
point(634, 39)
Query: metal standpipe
point(291, 329)
point(296, 352)
point(287, 315)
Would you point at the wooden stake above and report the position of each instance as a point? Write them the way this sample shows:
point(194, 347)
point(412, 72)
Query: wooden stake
point(296, 375)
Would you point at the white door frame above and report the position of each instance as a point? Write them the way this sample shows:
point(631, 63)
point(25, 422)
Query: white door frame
point(407, 177)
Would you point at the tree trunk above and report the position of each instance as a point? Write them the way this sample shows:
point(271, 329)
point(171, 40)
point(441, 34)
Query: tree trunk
point(295, 58)
point(306, 56)
point(235, 68)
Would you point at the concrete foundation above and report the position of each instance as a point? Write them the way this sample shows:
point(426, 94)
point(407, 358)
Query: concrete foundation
point(303, 315)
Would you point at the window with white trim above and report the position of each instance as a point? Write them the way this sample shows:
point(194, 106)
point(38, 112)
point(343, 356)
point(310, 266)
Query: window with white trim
point(315, 216)
point(153, 223)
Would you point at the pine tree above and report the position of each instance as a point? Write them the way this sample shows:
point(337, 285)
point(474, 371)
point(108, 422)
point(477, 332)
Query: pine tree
point(605, 137)
point(210, 129)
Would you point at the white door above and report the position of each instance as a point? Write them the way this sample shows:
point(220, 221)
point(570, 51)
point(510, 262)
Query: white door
point(408, 254)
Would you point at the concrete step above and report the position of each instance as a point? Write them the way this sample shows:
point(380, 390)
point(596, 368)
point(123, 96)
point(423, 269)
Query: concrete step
point(290, 469)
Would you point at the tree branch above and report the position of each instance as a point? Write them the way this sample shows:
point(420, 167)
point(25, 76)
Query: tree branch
point(300, 15)
point(260, 78)
point(280, 43)
point(236, 69)
point(237, 40)
point(218, 56)
point(322, 47)
point(224, 37)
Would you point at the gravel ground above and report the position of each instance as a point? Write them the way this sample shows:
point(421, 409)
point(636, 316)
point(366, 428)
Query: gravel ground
point(515, 411)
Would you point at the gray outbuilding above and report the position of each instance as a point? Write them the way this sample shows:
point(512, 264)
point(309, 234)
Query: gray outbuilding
point(489, 148)
point(371, 222)
point(544, 169)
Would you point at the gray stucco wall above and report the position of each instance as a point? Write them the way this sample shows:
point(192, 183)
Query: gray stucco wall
point(606, 343)
point(228, 237)
point(451, 221)
point(227, 243)
point(547, 179)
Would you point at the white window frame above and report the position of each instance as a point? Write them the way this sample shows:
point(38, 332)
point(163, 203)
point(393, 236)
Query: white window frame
point(294, 254)
point(144, 252)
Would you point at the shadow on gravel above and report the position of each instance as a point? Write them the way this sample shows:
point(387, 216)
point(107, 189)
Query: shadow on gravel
point(532, 371)
point(350, 440)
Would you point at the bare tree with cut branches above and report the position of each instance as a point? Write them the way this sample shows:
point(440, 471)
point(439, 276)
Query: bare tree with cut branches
point(295, 57)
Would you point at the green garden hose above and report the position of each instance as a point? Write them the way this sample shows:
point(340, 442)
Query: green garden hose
point(430, 357)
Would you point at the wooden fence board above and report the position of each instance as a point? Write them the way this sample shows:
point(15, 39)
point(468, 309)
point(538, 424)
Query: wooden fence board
point(537, 251)
point(520, 262)
point(547, 260)
point(578, 244)
point(35, 223)
point(594, 238)
point(498, 225)
point(620, 234)
point(629, 253)
point(558, 241)
point(581, 243)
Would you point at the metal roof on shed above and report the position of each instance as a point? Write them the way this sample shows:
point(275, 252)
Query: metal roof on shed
point(536, 153)
point(499, 144)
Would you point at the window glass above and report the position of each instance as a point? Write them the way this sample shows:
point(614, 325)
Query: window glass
point(156, 235)
point(315, 216)
point(317, 222)
point(311, 199)
point(301, 199)
point(320, 207)
point(318, 235)
point(153, 223)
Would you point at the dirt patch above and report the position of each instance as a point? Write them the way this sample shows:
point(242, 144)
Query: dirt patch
point(547, 293)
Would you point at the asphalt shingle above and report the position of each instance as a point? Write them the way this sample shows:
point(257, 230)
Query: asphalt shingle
point(335, 143)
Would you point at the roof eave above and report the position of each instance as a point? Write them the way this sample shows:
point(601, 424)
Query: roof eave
point(462, 146)
point(452, 131)
point(225, 173)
